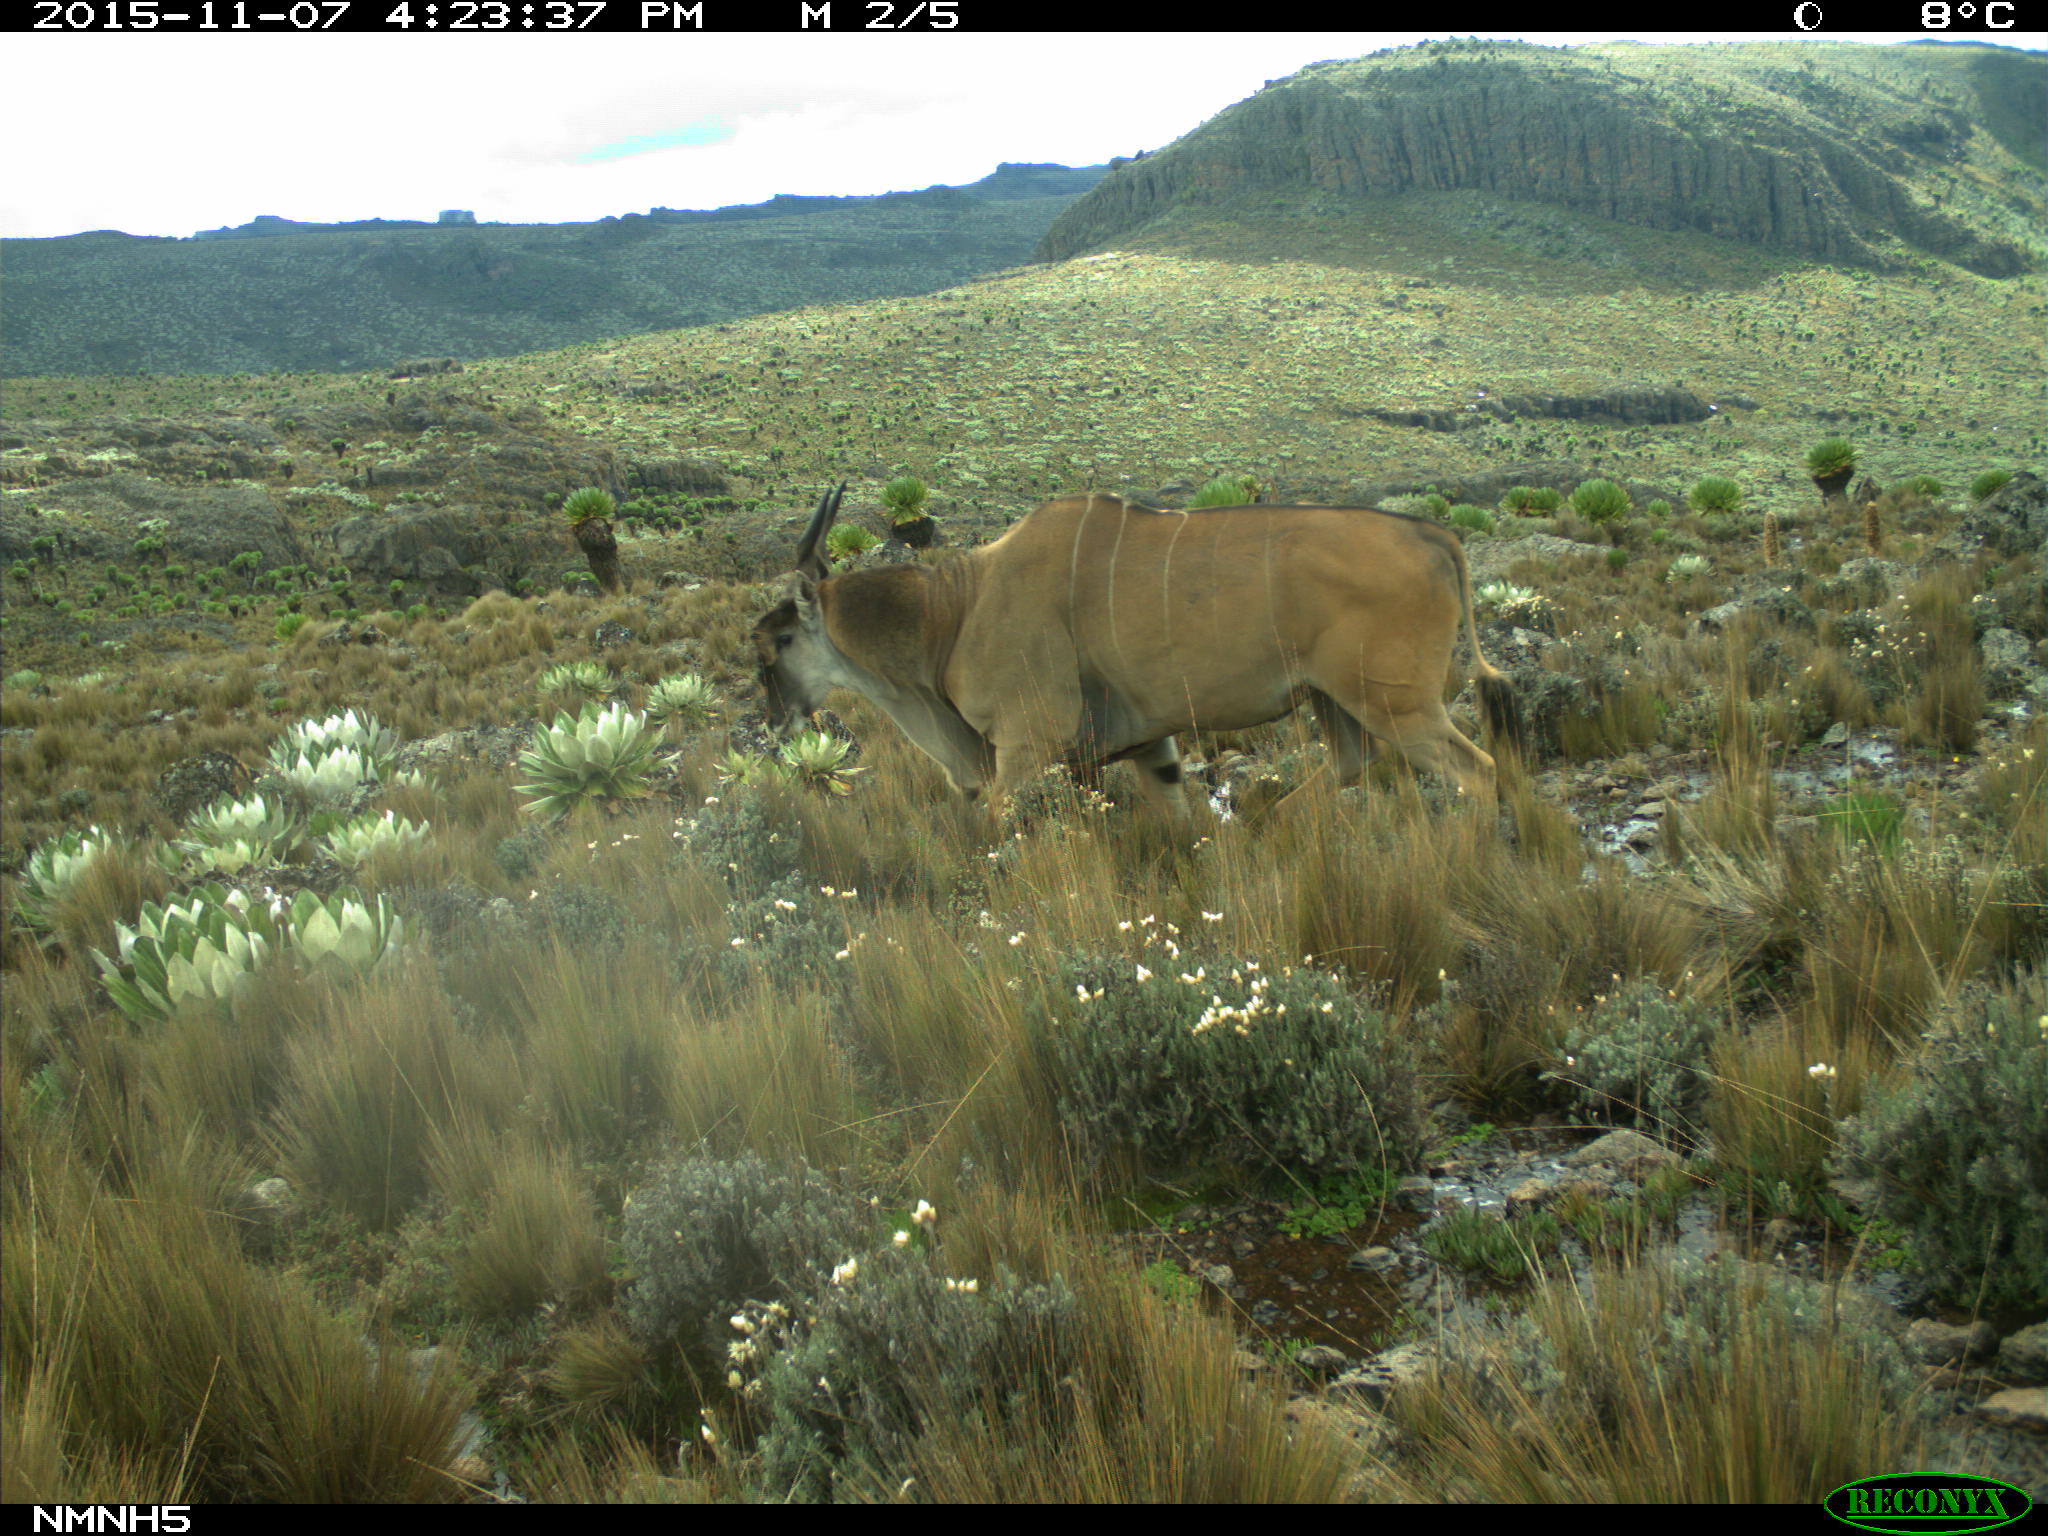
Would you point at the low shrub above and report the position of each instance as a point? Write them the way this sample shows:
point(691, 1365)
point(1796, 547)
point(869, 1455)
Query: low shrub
point(1960, 1152)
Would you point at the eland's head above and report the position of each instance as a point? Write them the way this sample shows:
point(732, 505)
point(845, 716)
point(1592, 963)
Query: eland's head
point(795, 656)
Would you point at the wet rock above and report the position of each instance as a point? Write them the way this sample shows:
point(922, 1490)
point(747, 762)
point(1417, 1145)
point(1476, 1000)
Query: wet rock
point(1415, 1192)
point(2008, 663)
point(2012, 520)
point(1770, 608)
point(1361, 1426)
point(1387, 1372)
point(1936, 1343)
point(2017, 1408)
point(270, 1202)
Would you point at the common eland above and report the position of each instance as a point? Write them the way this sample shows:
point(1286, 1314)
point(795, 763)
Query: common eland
point(1095, 630)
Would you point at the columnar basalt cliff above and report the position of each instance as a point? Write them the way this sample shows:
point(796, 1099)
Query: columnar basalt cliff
point(1839, 152)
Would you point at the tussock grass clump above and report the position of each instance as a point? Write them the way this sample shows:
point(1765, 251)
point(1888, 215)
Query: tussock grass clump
point(1939, 652)
point(1779, 1092)
point(1959, 1149)
point(372, 1072)
point(1715, 1383)
point(253, 1391)
point(536, 1242)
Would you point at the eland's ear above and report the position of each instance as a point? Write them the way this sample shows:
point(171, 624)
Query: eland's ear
point(801, 588)
point(810, 557)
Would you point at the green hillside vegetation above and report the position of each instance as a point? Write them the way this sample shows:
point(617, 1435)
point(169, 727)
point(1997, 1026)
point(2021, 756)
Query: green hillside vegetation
point(452, 1053)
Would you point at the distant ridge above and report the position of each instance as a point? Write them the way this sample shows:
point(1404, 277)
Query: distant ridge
point(277, 295)
point(1010, 182)
point(1840, 152)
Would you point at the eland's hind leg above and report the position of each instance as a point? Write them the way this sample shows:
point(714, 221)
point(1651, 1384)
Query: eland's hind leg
point(1432, 742)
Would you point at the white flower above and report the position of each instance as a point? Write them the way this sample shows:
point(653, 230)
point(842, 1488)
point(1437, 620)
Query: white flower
point(926, 1214)
point(846, 1273)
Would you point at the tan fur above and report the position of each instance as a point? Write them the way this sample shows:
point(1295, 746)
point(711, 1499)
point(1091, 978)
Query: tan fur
point(1095, 630)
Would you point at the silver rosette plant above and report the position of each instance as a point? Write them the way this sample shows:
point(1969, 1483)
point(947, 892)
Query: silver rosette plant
point(368, 835)
point(602, 754)
point(230, 835)
point(351, 729)
point(201, 948)
point(343, 934)
point(53, 870)
point(682, 701)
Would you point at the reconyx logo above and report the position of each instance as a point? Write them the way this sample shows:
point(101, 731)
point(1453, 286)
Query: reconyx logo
point(1927, 1502)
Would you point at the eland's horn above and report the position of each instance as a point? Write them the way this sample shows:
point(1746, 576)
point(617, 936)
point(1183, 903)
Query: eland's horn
point(807, 558)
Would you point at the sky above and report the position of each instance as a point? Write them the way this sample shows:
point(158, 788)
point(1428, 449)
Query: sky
point(167, 134)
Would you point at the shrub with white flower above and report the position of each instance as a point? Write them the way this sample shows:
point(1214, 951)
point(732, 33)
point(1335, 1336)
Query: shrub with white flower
point(1228, 1062)
point(53, 870)
point(367, 835)
point(599, 756)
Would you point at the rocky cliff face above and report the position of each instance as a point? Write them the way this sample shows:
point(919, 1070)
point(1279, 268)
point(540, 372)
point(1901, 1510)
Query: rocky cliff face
point(1835, 151)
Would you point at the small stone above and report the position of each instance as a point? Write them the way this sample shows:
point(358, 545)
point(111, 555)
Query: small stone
point(1375, 1260)
point(1629, 1150)
point(1222, 1276)
point(1320, 1360)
